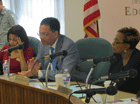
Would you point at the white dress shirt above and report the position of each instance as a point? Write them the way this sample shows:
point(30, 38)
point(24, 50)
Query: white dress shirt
point(54, 46)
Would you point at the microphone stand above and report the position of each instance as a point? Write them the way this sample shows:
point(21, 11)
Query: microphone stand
point(87, 79)
point(9, 55)
point(46, 79)
point(111, 84)
point(89, 95)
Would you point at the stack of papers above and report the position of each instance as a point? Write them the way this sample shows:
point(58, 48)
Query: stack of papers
point(52, 85)
point(75, 87)
point(124, 101)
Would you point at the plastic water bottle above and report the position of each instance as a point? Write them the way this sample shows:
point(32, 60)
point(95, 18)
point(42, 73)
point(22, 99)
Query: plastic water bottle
point(5, 67)
point(66, 78)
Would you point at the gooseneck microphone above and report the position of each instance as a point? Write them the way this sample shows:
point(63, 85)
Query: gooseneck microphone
point(52, 56)
point(111, 59)
point(20, 46)
point(111, 90)
point(132, 73)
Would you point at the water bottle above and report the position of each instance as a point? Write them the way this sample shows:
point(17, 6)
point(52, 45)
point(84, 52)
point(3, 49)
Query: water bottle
point(66, 78)
point(5, 67)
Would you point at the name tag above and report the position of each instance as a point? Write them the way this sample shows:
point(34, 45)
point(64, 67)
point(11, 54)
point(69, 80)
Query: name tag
point(64, 90)
point(22, 79)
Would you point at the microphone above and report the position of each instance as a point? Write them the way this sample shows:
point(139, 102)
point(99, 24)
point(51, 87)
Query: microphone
point(111, 59)
point(52, 56)
point(111, 90)
point(20, 46)
point(130, 73)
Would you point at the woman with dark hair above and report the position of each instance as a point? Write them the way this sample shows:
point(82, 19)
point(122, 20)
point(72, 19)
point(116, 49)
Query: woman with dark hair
point(128, 57)
point(19, 57)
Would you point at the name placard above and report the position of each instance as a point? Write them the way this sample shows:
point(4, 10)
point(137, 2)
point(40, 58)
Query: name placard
point(64, 90)
point(22, 79)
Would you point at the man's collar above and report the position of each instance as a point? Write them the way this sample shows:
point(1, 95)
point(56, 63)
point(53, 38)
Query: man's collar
point(54, 45)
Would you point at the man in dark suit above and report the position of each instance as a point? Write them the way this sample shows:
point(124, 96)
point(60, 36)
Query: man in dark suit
point(50, 36)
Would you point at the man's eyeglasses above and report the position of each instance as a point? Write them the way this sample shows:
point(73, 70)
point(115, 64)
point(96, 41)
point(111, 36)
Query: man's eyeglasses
point(42, 34)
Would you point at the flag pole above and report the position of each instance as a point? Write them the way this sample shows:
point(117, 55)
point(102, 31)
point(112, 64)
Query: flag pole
point(97, 29)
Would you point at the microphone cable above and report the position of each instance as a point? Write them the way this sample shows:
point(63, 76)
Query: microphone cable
point(70, 96)
point(73, 93)
point(71, 78)
point(70, 74)
point(77, 81)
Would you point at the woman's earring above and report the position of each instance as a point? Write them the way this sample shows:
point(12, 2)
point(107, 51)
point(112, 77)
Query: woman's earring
point(125, 51)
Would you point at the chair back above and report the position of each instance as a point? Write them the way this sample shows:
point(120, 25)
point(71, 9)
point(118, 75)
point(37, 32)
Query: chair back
point(33, 42)
point(94, 48)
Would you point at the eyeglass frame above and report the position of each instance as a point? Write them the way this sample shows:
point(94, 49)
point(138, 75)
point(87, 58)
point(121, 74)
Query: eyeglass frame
point(44, 34)
point(118, 42)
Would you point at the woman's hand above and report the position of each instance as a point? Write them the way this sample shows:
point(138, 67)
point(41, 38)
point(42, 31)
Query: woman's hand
point(23, 64)
point(19, 42)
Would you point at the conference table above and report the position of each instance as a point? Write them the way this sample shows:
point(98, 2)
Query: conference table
point(12, 92)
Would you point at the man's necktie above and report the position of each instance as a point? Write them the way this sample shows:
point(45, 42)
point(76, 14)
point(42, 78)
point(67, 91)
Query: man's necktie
point(53, 62)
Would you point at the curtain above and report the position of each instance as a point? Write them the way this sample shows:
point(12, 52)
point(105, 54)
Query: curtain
point(31, 12)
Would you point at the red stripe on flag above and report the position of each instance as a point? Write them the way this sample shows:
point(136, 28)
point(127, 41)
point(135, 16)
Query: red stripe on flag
point(92, 14)
point(90, 4)
point(91, 17)
point(91, 31)
point(86, 36)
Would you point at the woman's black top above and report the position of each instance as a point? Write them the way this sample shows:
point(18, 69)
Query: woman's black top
point(129, 84)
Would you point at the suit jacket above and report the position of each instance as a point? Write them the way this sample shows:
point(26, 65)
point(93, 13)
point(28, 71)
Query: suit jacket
point(67, 62)
point(129, 84)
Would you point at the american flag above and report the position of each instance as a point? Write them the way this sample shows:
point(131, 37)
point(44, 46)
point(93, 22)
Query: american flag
point(91, 15)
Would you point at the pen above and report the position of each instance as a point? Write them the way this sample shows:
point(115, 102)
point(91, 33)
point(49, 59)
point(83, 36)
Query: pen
point(134, 100)
point(80, 86)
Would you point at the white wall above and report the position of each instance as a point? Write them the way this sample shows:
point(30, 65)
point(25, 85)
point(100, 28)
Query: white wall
point(74, 19)
point(112, 17)
point(116, 14)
